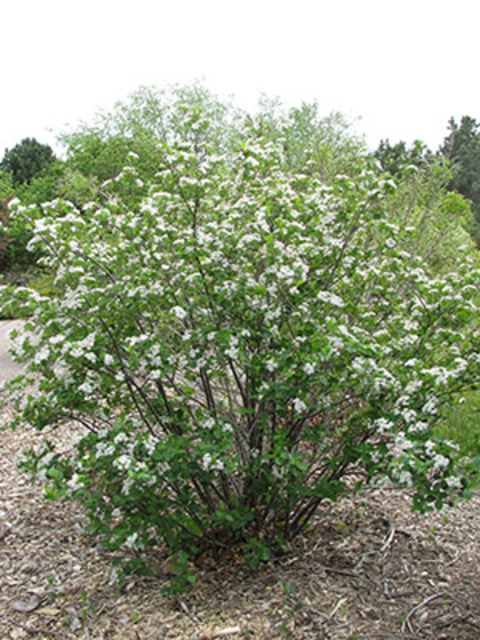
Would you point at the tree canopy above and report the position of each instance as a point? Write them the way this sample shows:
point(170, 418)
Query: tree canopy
point(27, 160)
point(397, 158)
point(462, 148)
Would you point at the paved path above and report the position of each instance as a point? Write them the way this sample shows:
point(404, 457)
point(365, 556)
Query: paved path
point(8, 368)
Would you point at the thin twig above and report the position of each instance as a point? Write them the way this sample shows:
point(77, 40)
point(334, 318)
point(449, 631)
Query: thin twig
point(33, 632)
point(455, 559)
point(393, 636)
point(464, 619)
point(406, 622)
point(388, 540)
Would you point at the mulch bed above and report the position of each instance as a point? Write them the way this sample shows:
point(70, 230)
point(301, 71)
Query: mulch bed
point(369, 569)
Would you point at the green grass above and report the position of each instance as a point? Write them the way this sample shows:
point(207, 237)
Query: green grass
point(462, 426)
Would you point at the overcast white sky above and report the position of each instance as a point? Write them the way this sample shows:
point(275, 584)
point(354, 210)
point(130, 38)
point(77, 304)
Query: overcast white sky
point(404, 67)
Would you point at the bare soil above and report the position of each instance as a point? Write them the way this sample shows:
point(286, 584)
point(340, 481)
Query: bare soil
point(369, 569)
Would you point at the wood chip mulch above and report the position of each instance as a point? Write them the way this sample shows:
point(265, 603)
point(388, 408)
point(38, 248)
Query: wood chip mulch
point(369, 569)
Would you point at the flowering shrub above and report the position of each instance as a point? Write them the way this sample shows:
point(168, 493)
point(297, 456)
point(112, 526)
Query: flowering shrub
point(241, 346)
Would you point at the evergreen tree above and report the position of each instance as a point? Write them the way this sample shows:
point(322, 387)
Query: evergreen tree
point(462, 148)
point(27, 160)
point(397, 157)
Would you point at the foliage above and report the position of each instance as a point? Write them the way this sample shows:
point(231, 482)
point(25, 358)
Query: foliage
point(31, 175)
point(462, 425)
point(462, 148)
point(6, 194)
point(324, 146)
point(241, 345)
point(398, 158)
point(15, 235)
point(26, 160)
point(136, 127)
point(43, 187)
point(433, 222)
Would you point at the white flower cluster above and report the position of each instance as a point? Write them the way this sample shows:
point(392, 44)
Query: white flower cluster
point(299, 405)
point(210, 464)
point(179, 312)
point(384, 426)
point(330, 298)
point(75, 482)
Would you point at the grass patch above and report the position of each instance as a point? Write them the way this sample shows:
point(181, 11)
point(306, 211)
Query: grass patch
point(462, 425)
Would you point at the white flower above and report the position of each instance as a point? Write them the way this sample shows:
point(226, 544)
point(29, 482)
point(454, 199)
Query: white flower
point(299, 405)
point(206, 461)
point(108, 359)
point(336, 343)
point(383, 425)
point(209, 423)
point(42, 355)
point(127, 485)
point(103, 449)
point(179, 312)
point(409, 415)
point(163, 468)
point(429, 447)
point(232, 352)
point(430, 406)
point(285, 272)
point(74, 482)
point(271, 365)
point(330, 298)
point(151, 443)
point(122, 462)
point(308, 368)
point(130, 541)
point(405, 478)
point(440, 462)
point(85, 388)
point(403, 443)
point(454, 482)
point(418, 427)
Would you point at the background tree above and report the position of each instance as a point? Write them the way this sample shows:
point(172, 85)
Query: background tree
point(6, 194)
point(433, 222)
point(395, 159)
point(462, 148)
point(150, 118)
point(27, 160)
point(324, 146)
